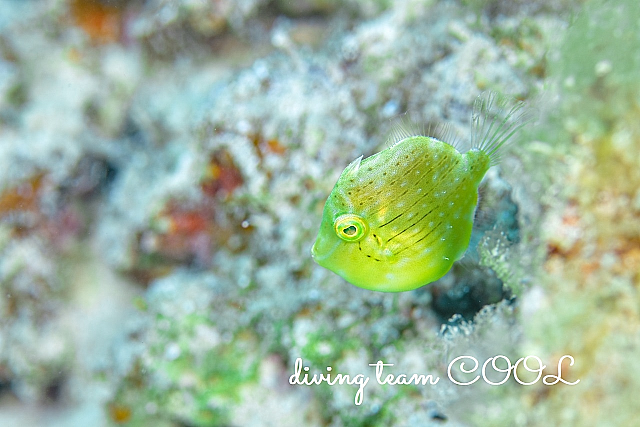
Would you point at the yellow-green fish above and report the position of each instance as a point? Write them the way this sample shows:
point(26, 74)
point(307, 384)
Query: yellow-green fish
point(398, 220)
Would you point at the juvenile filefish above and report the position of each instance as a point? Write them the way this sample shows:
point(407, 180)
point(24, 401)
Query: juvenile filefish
point(398, 219)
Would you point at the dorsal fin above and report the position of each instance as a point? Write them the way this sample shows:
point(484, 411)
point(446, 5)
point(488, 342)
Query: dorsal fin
point(404, 127)
point(494, 122)
point(352, 167)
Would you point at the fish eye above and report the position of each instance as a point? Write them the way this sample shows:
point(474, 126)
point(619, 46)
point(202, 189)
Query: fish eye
point(350, 228)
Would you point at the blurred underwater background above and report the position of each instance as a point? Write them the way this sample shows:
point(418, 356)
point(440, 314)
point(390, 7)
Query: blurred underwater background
point(163, 169)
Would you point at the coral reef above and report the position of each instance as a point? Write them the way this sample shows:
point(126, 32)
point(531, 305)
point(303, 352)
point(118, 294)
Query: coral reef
point(163, 168)
point(584, 301)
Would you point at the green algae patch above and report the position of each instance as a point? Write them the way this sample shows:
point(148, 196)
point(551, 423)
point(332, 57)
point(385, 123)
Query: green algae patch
point(178, 379)
point(325, 347)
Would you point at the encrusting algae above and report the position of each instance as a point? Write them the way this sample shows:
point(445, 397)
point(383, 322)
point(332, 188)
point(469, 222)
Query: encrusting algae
point(399, 219)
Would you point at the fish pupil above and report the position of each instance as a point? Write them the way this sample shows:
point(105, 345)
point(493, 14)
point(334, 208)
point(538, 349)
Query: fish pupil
point(350, 230)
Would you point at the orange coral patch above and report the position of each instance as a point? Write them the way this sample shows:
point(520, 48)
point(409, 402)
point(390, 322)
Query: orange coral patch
point(102, 22)
point(23, 197)
point(275, 147)
point(119, 413)
point(222, 175)
point(188, 222)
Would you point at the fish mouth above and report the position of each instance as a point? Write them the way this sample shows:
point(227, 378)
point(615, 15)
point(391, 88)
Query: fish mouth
point(321, 252)
point(314, 251)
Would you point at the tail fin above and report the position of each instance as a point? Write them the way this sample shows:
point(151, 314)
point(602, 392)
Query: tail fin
point(495, 120)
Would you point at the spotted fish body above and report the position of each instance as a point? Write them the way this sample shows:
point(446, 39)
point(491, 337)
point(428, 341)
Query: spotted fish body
point(398, 220)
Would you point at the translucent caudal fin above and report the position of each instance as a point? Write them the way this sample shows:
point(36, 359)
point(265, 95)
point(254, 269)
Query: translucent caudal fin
point(496, 119)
